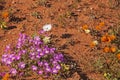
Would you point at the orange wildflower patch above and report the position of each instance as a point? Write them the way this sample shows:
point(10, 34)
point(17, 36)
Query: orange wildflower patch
point(113, 49)
point(6, 76)
point(5, 14)
point(118, 56)
point(112, 37)
point(102, 24)
point(105, 39)
point(93, 43)
point(85, 27)
point(106, 49)
point(108, 38)
point(99, 27)
point(109, 49)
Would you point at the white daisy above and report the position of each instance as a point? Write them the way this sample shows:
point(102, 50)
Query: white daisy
point(47, 27)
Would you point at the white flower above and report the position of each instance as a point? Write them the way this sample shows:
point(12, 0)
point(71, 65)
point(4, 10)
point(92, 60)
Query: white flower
point(87, 31)
point(47, 27)
point(95, 42)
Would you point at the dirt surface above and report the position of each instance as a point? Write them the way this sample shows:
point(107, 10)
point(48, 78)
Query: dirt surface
point(67, 17)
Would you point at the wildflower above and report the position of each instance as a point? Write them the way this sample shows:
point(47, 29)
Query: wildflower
point(6, 76)
point(46, 63)
point(8, 62)
point(85, 27)
point(54, 70)
point(118, 56)
point(108, 38)
point(98, 28)
point(48, 69)
point(17, 57)
point(34, 68)
point(94, 43)
point(58, 67)
point(112, 37)
point(40, 72)
point(21, 65)
point(47, 27)
point(105, 38)
point(40, 63)
point(113, 49)
point(13, 71)
point(106, 49)
point(46, 40)
point(5, 14)
point(87, 31)
point(101, 24)
point(3, 25)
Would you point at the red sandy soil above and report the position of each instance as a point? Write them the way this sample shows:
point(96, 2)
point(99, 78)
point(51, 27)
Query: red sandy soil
point(66, 17)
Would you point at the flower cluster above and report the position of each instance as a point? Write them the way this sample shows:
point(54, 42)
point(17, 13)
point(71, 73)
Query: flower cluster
point(32, 54)
point(107, 43)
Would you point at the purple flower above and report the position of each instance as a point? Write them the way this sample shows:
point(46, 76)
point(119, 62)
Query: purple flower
point(54, 70)
point(2, 74)
point(32, 53)
point(12, 56)
point(42, 54)
point(19, 45)
point(7, 48)
point(32, 57)
point(40, 72)
point(13, 71)
point(4, 60)
point(42, 31)
point(38, 56)
point(40, 63)
point(58, 57)
point(34, 68)
point(4, 55)
point(39, 50)
point(24, 51)
point(48, 69)
point(46, 63)
point(17, 57)
point(37, 38)
point(58, 67)
point(21, 65)
point(52, 50)
point(8, 61)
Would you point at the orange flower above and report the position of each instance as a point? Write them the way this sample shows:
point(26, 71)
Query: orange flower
point(85, 27)
point(101, 24)
point(98, 28)
point(5, 14)
point(112, 37)
point(118, 56)
point(93, 43)
point(103, 38)
point(113, 49)
point(106, 49)
point(6, 76)
point(106, 38)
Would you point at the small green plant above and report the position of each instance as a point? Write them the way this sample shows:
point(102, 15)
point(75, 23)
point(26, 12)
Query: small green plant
point(3, 25)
